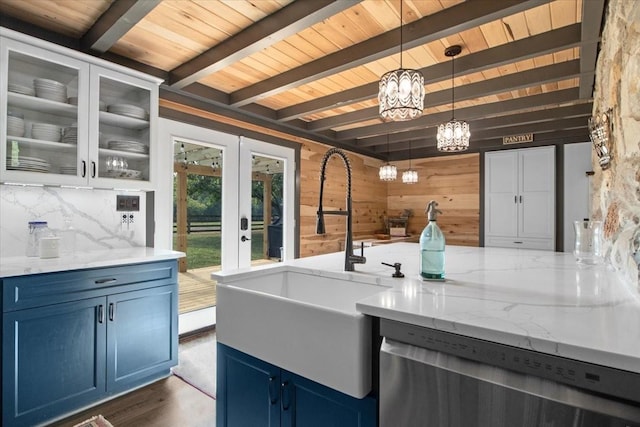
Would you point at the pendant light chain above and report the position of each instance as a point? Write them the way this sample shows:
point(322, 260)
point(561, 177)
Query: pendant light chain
point(453, 86)
point(401, 1)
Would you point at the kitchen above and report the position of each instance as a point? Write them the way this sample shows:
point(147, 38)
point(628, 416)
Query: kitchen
point(370, 210)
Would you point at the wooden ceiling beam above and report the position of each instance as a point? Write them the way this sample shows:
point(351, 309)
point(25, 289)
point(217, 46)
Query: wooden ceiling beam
point(514, 81)
point(519, 50)
point(434, 27)
point(479, 132)
point(283, 23)
point(592, 21)
point(115, 22)
point(574, 126)
point(557, 138)
point(478, 122)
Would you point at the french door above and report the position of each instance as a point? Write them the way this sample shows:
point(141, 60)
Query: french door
point(266, 202)
point(256, 196)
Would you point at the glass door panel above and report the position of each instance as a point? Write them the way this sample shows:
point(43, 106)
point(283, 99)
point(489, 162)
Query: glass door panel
point(46, 126)
point(266, 202)
point(123, 130)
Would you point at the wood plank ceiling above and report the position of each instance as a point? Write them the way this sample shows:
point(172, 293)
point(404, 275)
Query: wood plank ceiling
point(310, 68)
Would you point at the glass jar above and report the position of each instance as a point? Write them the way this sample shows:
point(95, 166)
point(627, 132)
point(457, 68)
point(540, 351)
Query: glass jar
point(36, 230)
point(588, 246)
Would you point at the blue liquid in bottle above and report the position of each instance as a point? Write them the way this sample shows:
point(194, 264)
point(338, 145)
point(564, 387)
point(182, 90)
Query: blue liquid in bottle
point(432, 244)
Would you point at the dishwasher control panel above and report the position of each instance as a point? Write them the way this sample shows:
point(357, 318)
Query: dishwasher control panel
point(597, 378)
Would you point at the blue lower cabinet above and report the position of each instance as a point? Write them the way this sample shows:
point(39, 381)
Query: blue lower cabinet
point(105, 335)
point(251, 392)
point(54, 360)
point(142, 336)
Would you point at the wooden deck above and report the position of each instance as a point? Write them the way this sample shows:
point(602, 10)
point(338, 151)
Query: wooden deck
point(197, 290)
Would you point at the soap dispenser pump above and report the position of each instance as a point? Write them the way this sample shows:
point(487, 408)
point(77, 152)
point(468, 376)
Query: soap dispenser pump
point(432, 246)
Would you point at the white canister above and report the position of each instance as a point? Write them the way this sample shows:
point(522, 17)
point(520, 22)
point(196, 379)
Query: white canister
point(49, 247)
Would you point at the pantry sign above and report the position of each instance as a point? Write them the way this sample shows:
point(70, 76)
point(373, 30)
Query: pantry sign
point(517, 139)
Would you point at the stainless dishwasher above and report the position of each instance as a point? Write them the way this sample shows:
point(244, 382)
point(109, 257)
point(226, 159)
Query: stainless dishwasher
point(435, 378)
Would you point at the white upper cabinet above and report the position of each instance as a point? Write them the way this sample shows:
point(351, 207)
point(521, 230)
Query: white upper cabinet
point(70, 119)
point(520, 198)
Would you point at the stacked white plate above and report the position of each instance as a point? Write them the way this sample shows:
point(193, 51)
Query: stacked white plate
point(127, 145)
point(70, 135)
point(24, 90)
point(124, 174)
point(68, 170)
point(50, 89)
point(29, 164)
point(129, 111)
point(46, 132)
point(15, 124)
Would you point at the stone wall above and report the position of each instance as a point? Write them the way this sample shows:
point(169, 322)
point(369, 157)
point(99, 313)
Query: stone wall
point(616, 190)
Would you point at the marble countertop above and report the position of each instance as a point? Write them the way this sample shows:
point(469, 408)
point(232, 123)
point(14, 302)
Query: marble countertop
point(22, 265)
point(538, 300)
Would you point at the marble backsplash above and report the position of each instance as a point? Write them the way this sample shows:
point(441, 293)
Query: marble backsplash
point(92, 213)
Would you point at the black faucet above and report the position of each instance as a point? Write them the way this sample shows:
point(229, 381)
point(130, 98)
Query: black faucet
point(349, 258)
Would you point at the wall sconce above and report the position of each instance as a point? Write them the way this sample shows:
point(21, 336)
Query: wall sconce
point(600, 134)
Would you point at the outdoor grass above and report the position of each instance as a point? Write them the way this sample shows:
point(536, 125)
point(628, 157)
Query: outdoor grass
point(203, 248)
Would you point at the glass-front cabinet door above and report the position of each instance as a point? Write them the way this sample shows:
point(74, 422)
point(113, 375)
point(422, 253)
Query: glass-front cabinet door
point(69, 121)
point(44, 116)
point(122, 129)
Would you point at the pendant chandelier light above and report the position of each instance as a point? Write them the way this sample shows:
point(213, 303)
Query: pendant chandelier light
point(388, 172)
point(410, 176)
point(453, 135)
point(401, 92)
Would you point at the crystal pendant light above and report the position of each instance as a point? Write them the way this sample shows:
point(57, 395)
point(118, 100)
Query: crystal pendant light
point(388, 172)
point(410, 176)
point(401, 92)
point(453, 135)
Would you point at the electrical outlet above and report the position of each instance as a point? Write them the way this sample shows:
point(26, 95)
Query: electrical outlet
point(128, 203)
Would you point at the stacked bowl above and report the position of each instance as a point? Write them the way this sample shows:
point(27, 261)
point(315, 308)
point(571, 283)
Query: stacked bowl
point(129, 111)
point(15, 124)
point(68, 169)
point(70, 135)
point(50, 89)
point(46, 132)
point(24, 90)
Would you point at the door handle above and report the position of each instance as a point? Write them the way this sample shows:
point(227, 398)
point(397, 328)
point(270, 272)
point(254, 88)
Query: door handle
point(286, 399)
point(112, 311)
point(515, 199)
point(84, 168)
point(93, 169)
point(244, 238)
point(520, 199)
point(100, 313)
point(105, 281)
point(273, 391)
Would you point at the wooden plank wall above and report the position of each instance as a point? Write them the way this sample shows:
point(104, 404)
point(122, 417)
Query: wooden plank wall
point(454, 182)
point(369, 198)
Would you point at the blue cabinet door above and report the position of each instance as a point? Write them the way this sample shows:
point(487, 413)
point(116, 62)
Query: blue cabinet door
point(254, 393)
point(248, 390)
point(52, 360)
point(306, 403)
point(142, 336)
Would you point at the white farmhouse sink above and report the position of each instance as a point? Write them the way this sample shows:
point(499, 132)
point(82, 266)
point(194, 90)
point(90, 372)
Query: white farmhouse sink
point(304, 323)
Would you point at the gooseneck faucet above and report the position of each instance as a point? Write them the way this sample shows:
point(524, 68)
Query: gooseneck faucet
point(349, 258)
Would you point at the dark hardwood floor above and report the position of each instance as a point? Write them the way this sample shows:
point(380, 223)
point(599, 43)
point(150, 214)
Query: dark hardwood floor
point(166, 403)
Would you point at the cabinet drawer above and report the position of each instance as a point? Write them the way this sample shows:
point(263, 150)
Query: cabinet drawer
point(52, 288)
point(518, 242)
